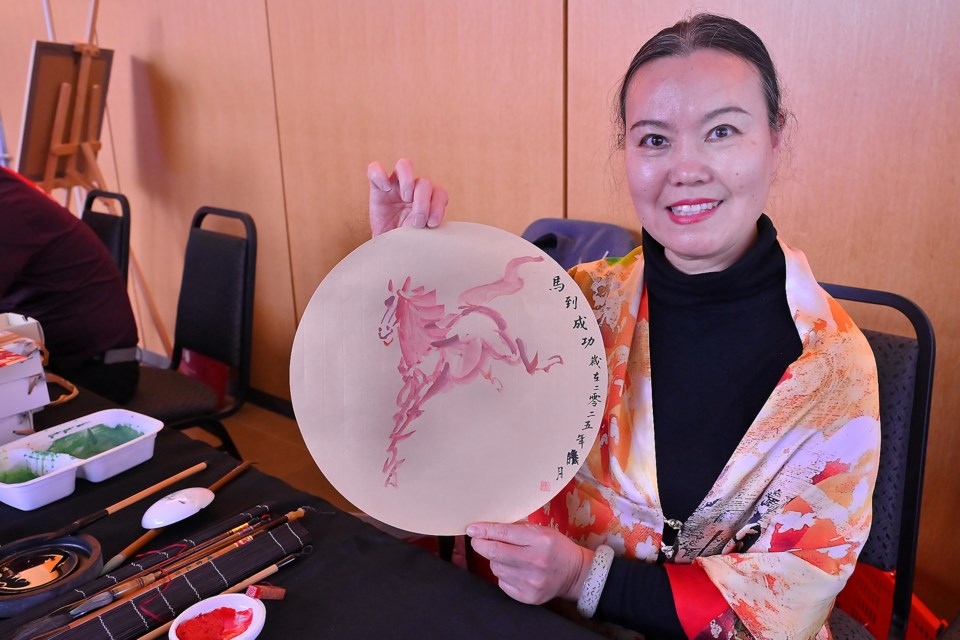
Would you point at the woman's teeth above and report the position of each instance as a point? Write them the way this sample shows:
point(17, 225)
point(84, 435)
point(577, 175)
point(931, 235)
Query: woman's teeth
point(693, 209)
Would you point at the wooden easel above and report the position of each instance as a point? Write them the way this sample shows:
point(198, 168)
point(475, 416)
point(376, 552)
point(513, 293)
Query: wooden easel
point(72, 147)
point(87, 103)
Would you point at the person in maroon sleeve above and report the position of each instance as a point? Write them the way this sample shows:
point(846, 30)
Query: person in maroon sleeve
point(729, 491)
point(54, 268)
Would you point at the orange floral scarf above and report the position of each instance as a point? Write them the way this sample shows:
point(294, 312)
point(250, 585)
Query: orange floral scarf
point(780, 531)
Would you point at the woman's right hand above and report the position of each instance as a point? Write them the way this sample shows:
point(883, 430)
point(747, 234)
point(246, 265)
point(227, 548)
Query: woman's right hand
point(402, 200)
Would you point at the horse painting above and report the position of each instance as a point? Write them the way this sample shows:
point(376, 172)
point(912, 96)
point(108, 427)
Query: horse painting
point(440, 351)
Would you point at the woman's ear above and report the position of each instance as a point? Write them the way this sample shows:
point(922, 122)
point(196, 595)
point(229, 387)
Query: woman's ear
point(776, 135)
point(776, 138)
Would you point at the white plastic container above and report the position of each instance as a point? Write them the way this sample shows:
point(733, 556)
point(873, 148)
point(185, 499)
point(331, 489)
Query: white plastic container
point(58, 471)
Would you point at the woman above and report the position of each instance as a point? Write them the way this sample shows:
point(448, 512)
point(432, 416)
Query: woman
point(742, 513)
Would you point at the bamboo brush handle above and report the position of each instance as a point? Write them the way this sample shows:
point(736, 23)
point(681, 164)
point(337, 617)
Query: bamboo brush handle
point(230, 475)
point(157, 487)
point(93, 517)
point(147, 537)
point(190, 563)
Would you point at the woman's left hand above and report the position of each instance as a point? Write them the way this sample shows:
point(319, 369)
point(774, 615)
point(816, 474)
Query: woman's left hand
point(533, 563)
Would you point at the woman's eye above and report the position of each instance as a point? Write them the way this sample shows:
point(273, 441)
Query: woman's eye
point(653, 140)
point(723, 131)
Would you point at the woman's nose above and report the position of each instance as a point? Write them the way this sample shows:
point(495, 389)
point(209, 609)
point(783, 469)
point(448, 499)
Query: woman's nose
point(689, 167)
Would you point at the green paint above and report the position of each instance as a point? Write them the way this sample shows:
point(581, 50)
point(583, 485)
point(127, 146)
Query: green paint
point(95, 440)
point(43, 462)
point(18, 474)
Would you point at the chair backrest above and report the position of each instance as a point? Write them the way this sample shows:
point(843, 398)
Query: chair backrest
point(215, 307)
point(571, 242)
point(905, 368)
point(113, 230)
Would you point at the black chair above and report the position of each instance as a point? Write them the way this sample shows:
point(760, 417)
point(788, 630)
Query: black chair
point(215, 320)
point(905, 368)
point(113, 230)
point(571, 242)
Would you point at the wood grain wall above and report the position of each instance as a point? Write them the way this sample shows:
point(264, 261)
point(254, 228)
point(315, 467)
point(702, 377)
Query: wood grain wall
point(276, 106)
point(472, 91)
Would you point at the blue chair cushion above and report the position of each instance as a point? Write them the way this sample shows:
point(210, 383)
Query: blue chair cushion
point(571, 242)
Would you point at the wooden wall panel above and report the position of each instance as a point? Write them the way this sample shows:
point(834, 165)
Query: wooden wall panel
point(192, 123)
point(476, 98)
point(471, 91)
point(868, 186)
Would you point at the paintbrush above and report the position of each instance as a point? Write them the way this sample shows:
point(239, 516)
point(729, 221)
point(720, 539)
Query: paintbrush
point(195, 556)
point(163, 602)
point(202, 552)
point(264, 573)
point(234, 541)
point(76, 525)
point(143, 540)
point(66, 613)
point(69, 612)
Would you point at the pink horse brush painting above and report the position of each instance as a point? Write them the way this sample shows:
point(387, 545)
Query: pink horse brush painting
point(441, 350)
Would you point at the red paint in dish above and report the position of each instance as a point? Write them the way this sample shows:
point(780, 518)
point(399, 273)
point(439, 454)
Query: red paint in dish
point(220, 624)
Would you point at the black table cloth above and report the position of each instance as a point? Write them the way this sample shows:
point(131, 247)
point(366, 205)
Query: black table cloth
point(358, 582)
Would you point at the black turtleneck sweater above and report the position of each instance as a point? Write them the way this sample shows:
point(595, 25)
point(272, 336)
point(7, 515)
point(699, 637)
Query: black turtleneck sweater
point(719, 343)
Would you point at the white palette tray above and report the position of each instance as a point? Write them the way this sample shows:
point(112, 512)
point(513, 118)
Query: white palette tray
point(57, 472)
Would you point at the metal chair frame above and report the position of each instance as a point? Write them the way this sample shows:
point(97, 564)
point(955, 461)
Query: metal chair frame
point(916, 446)
point(104, 225)
point(246, 346)
point(213, 422)
point(199, 329)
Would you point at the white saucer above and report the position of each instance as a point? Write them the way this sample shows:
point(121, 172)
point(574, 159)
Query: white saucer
point(236, 601)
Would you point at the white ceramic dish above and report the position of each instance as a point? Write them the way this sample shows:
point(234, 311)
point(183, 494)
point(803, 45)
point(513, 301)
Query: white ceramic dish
point(237, 601)
point(58, 472)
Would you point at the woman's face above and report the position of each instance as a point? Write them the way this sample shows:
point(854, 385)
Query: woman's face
point(700, 156)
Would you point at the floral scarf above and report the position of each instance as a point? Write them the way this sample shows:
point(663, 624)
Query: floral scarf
point(780, 531)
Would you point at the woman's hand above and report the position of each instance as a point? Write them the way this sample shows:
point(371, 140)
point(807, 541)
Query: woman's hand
point(401, 199)
point(533, 563)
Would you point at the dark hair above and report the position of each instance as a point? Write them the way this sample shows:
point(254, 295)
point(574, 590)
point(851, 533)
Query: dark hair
point(707, 31)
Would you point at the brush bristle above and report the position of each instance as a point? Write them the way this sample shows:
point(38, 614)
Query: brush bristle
point(95, 602)
point(42, 626)
point(54, 621)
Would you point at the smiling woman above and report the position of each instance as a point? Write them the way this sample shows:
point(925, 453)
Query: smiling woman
point(729, 491)
point(700, 156)
point(708, 93)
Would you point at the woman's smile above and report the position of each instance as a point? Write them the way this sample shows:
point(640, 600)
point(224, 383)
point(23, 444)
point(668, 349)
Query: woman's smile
point(693, 211)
